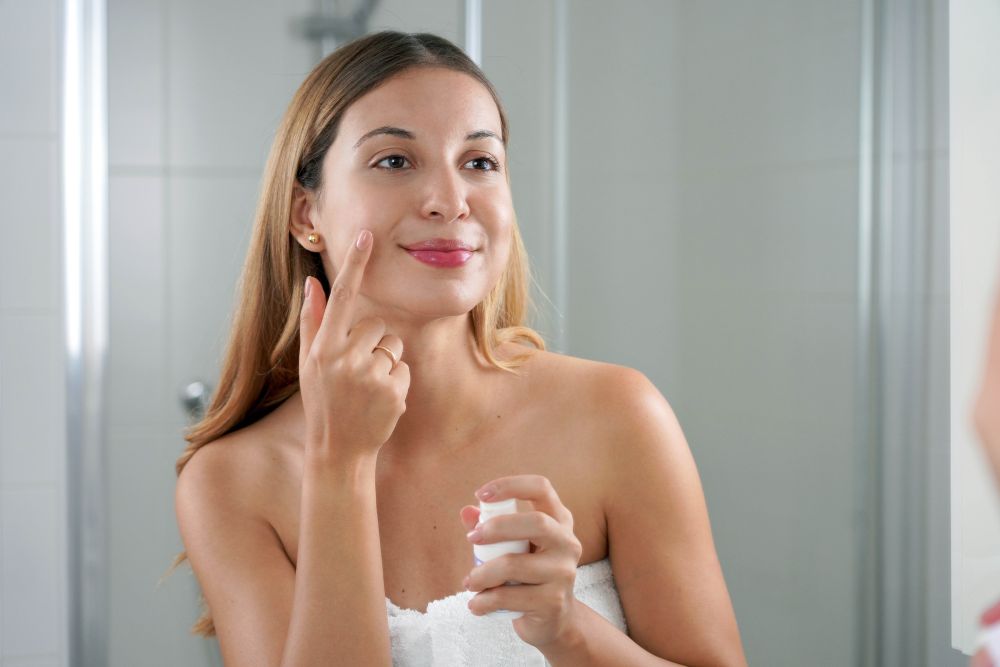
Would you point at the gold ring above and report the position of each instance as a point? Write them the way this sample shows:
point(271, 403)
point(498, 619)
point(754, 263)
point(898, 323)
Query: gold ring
point(391, 355)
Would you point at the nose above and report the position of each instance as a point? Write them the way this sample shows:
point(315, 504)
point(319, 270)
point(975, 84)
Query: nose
point(445, 197)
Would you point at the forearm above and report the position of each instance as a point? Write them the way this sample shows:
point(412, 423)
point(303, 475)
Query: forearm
point(592, 640)
point(338, 613)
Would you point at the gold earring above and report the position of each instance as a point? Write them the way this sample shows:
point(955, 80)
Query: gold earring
point(313, 238)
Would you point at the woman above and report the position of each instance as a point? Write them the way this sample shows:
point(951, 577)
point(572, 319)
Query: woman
point(986, 417)
point(327, 522)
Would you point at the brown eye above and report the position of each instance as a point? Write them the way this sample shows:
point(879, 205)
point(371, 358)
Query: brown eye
point(494, 166)
point(395, 158)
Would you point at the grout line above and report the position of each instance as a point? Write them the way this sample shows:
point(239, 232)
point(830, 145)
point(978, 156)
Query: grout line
point(191, 171)
point(11, 135)
point(165, 241)
point(21, 311)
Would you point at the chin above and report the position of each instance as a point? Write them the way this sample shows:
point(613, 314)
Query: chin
point(443, 303)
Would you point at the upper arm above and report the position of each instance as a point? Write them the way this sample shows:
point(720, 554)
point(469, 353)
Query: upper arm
point(244, 574)
point(663, 557)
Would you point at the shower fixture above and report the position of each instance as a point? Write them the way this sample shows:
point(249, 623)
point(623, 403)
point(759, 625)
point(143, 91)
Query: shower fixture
point(330, 27)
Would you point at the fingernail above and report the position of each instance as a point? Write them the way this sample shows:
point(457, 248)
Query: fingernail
point(485, 494)
point(474, 535)
point(308, 287)
point(465, 583)
point(363, 238)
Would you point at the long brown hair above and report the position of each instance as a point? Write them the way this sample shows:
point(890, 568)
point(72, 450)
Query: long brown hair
point(260, 368)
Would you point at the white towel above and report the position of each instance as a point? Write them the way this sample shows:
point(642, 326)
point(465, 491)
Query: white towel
point(449, 635)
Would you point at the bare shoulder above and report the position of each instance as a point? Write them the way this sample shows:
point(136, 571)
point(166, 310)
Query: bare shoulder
point(659, 537)
point(239, 471)
point(618, 397)
point(623, 412)
point(236, 555)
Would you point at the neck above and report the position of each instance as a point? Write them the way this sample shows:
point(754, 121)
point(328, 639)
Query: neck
point(453, 389)
point(451, 386)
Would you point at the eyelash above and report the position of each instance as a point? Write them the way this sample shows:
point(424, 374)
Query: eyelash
point(493, 163)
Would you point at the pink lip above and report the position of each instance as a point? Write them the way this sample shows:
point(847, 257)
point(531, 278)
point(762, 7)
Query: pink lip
point(448, 259)
point(441, 245)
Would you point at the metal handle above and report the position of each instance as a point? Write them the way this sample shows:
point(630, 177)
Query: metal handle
point(195, 397)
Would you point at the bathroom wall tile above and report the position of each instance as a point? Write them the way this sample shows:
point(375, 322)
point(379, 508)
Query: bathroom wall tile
point(783, 229)
point(765, 400)
point(32, 380)
point(793, 356)
point(150, 617)
point(770, 83)
point(31, 251)
point(622, 266)
point(32, 569)
point(136, 90)
point(232, 68)
point(210, 221)
point(35, 661)
point(623, 111)
point(29, 66)
point(622, 203)
point(441, 17)
point(138, 306)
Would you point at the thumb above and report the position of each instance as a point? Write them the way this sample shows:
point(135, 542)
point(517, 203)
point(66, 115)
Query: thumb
point(470, 516)
point(310, 318)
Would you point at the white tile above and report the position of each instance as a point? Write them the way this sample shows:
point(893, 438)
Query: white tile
point(770, 229)
point(773, 82)
point(136, 90)
point(34, 661)
point(623, 108)
point(30, 242)
point(29, 66)
point(138, 306)
point(149, 621)
point(232, 69)
point(765, 400)
point(441, 17)
point(209, 226)
point(30, 434)
point(622, 261)
point(32, 570)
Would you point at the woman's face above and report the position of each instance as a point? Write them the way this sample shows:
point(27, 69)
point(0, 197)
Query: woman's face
point(426, 180)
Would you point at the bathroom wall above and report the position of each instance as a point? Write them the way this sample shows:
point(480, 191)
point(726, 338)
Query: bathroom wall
point(716, 144)
point(33, 556)
point(767, 252)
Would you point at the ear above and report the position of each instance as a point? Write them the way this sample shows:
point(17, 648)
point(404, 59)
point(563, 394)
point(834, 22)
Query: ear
point(303, 216)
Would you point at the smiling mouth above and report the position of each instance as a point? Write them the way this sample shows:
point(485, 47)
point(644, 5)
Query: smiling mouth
point(442, 258)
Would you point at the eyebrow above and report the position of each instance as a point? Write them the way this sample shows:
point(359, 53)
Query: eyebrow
point(406, 134)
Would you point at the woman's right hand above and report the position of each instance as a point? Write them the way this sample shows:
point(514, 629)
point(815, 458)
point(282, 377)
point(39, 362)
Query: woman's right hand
point(352, 395)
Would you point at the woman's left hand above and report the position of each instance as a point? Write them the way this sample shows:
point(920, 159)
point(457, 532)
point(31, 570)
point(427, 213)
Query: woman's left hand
point(547, 574)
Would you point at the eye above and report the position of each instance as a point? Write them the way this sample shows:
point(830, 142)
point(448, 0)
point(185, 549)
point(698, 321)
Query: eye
point(397, 165)
point(494, 166)
point(390, 157)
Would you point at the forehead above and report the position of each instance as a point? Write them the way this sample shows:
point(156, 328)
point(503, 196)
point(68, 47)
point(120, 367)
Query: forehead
point(434, 100)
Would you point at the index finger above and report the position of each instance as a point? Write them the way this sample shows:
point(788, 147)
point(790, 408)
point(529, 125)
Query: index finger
point(536, 488)
point(339, 313)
